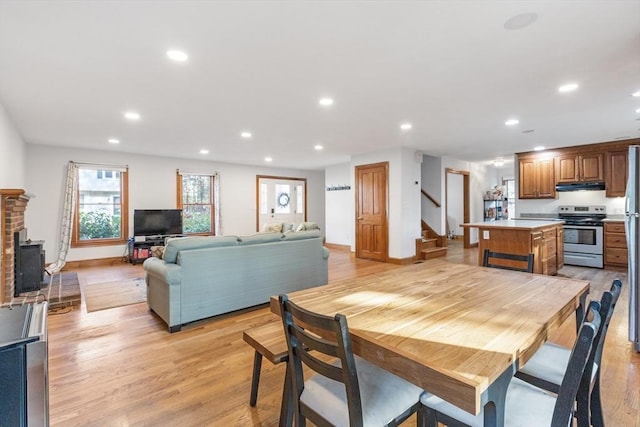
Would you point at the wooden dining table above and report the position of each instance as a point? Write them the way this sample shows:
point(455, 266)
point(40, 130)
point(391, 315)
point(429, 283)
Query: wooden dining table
point(458, 331)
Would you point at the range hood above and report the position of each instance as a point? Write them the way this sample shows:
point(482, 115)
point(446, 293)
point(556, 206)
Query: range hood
point(581, 186)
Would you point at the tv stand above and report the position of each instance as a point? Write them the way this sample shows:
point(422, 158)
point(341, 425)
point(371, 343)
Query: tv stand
point(139, 251)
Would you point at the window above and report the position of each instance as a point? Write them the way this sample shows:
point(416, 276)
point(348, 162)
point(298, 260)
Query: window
point(196, 198)
point(100, 216)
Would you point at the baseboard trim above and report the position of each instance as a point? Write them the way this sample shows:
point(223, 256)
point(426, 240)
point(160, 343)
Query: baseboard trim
point(100, 262)
point(402, 261)
point(336, 246)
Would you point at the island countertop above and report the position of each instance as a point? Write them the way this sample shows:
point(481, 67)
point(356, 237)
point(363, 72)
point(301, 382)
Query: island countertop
point(514, 224)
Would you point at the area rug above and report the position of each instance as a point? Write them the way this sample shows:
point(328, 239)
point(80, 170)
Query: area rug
point(100, 296)
point(60, 290)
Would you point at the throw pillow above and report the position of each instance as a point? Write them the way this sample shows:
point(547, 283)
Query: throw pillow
point(308, 226)
point(275, 227)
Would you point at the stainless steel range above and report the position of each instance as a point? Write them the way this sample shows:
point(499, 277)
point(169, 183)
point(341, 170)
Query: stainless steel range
point(583, 235)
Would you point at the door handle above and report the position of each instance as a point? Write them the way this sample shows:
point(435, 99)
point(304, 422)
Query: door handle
point(360, 217)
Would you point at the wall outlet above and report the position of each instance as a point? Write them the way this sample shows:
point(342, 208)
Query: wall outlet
point(485, 234)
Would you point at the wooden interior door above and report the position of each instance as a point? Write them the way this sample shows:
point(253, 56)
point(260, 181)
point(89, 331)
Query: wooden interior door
point(371, 212)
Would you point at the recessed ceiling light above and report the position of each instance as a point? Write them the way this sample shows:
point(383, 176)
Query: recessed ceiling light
point(177, 55)
point(512, 122)
point(520, 21)
point(132, 115)
point(406, 126)
point(636, 94)
point(113, 141)
point(568, 87)
point(539, 148)
point(318, 147)
point(498, 162)
point(326, 102)
point(268, 159)
point(638, 110)
point(246, 135)
point(204, 151)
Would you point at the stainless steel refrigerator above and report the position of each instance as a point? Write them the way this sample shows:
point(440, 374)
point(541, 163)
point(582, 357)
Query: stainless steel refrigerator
point(632, 228)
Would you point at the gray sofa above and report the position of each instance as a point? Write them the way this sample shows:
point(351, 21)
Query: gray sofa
point(200, 277)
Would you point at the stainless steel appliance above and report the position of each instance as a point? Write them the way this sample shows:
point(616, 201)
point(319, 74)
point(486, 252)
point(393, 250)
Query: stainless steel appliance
point(632, 214)
point(24, 400)
point(583, 235)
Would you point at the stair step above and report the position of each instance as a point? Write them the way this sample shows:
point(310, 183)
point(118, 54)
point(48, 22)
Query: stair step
point(430, 253)
point(429, 243)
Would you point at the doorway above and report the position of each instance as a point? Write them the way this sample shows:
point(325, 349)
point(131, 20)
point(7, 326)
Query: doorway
point(457, 196)
point(280, 199)
point(372, 240)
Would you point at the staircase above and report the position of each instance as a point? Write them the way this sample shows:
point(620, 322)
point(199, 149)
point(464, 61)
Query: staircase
point(431, 245)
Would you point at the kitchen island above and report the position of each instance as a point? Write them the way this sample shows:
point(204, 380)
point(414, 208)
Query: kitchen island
point(545, 239)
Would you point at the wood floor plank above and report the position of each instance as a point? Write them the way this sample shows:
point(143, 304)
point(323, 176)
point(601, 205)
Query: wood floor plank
point(120, 367)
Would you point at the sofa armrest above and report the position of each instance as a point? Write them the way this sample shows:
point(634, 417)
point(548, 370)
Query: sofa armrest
point(170, 273)
point(325, 253)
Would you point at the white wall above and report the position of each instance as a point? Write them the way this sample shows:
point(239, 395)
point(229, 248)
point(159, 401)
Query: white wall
point(340, 205)
point(152, 185)
point(455, 202)
point(615, 205)
point(431, 172)
point(12, 154)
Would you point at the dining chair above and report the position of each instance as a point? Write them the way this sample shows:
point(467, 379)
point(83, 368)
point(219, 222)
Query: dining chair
point(525, 260)
point(547, 366)
point(526, 405)
point(346, 392)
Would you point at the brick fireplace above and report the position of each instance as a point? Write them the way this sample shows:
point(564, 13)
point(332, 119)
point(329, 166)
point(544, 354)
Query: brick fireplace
point(13, 203)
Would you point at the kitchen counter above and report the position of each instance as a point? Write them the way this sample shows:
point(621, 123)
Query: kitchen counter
point(543, 238)
point(519, 224)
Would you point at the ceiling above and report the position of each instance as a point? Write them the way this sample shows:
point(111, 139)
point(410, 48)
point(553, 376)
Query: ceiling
point(68, 71)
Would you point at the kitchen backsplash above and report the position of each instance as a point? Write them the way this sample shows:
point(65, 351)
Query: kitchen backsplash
point(615, 205)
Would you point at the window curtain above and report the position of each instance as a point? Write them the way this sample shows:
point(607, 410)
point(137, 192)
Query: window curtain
point(68, 210)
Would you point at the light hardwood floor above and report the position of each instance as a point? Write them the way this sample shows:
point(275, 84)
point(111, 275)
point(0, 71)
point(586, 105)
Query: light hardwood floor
point(120, 367)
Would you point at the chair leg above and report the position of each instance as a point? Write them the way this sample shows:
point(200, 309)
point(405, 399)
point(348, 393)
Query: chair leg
point(286, 406)
point(597, 417)
point(255, 379)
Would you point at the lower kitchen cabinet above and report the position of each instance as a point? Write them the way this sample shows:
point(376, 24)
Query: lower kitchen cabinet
point(615, 244)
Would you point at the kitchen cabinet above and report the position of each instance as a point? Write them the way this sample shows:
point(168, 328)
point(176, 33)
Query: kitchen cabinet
point(573, 167)
point(537, 179)
point(615, 244)
point(616, 169)
point(560, 247)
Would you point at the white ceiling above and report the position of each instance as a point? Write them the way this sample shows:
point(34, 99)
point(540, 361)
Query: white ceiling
point(69, 69)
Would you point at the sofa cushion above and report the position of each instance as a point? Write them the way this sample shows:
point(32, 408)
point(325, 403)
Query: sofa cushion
point(255, 239)
point(299, 235)
point(196, 242)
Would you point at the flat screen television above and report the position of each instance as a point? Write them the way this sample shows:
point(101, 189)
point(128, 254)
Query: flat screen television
point(157, 222)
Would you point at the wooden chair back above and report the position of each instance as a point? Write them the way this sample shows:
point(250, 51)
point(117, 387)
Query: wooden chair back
point(525, 262)
point(582, 349)
point(311, 337)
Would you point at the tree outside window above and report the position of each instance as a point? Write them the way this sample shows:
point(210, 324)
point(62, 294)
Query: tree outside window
point(196, 199)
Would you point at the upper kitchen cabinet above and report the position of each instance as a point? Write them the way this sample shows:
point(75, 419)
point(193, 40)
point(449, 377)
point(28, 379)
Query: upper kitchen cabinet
point(616, 171)
point(571, 167)
point(537, 180)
